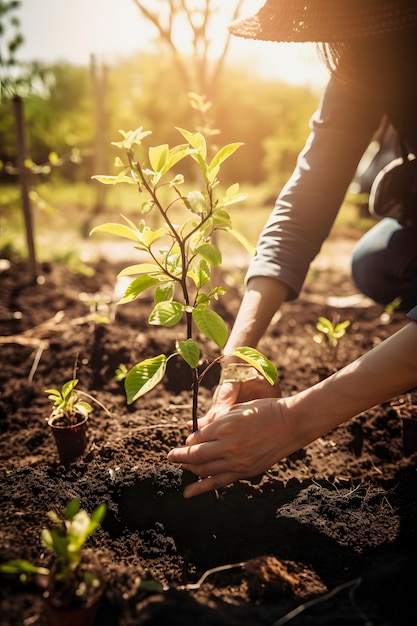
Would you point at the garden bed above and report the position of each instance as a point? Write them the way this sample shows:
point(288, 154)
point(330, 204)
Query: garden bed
point(329, 532)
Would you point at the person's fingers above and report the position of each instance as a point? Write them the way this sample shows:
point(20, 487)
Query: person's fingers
point(196, 454)
point(206, 419)
point(210, 483)
point(258, 387)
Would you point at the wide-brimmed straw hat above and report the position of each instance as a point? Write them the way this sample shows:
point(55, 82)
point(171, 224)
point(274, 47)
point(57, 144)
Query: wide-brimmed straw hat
point(326, 21)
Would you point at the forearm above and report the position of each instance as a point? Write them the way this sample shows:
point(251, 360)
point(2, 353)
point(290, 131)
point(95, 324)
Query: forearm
point(379, 375)
point(263, 297)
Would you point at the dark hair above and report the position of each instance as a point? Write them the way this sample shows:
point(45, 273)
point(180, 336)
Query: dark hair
point(371, 58)
point(385, 62)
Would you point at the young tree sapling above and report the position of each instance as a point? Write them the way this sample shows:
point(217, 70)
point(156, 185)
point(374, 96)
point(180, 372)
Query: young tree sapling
point(180, 253)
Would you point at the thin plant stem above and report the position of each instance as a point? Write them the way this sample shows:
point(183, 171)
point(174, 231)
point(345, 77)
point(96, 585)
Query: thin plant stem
point(195, 387)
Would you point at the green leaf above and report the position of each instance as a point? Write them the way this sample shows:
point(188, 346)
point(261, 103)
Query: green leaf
point(233, 196)
point(211, 325)
point(137, 286)
point(210, 253)
point(175, 155)
point(166, 314)
point(177, 180)
point(224, 153)
point(68, 387)
point(115, 180)
point(258, 361)
point(117, 229)
point(242, 240)
point(149, 235)
point(221, 219)
point(118, 162)
point(144, 376)
point(53, 393)
point(200, 274)
point(324, 325)
point(196, 202)
point(140, 268)
point(216, 292)
point(72, 508)
point(340, 328)
point(157, 157)
point(131, 138)
point(20, 566)
point(190, 352)
point(202, 301)
point(55, 541)
point(97, 516)
point(164, 293)
point(196, 140)
point(147, 207)
point(83, 408)
point(46, 538)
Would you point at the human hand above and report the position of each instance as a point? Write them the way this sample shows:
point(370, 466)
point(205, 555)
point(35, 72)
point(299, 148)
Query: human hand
point(227, 394)
point(243, 442)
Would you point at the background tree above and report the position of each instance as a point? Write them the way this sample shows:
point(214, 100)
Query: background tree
point(174, 20)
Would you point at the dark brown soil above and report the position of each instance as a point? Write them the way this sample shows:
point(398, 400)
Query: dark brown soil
point(327, 536)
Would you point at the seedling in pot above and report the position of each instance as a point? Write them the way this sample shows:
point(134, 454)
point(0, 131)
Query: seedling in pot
point(180, 254)
point(68, 420)
point(67, 407)
point(74, 578)
point(329, 336)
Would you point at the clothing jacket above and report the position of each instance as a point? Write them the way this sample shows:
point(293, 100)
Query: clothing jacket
point(341, 129)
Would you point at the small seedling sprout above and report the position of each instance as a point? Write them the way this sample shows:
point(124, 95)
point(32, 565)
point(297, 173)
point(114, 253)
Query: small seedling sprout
point(329, 336)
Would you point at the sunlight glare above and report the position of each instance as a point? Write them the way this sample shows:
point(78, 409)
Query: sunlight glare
point(73, 30)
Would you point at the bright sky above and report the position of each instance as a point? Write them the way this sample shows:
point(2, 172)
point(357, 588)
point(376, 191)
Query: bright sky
point(73, 30)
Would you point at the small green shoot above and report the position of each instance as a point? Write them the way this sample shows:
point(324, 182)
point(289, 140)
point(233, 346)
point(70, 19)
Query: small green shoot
point(120, 372)
point(389, 310)
point(329, 336)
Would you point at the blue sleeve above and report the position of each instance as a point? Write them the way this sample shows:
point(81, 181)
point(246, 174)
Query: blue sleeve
point(306, 208)
point(412, 315)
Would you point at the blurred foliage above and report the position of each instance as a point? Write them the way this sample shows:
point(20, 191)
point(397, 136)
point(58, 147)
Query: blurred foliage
point(11, 39)
point(270, 117)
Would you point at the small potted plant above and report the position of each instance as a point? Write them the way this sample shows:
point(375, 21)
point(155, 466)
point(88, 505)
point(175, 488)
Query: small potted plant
point(68, 421)
point(73, 585)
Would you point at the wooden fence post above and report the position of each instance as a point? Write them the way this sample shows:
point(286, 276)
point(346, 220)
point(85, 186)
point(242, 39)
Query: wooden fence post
point(24, 174)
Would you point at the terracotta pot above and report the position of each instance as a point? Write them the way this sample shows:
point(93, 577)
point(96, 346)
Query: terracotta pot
point(71, 441)
point(80, 614)
point(409, 435)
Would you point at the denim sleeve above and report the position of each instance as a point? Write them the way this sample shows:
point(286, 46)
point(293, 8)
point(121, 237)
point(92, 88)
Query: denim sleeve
point(412, 315)
point(305, 210)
